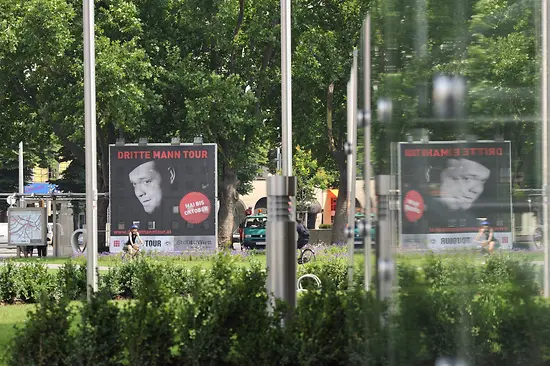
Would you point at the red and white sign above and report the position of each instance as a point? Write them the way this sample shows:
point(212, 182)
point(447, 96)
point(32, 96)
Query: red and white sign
point(413, 205)
point(195, 207)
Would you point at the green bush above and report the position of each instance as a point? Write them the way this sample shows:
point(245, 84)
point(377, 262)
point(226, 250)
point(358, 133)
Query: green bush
point(71, 280)
point(488, 314)
point(224, 318)
point(325, 226)
point(99, 333)
point(45, 339)
point(25, 283)
point(8, 283)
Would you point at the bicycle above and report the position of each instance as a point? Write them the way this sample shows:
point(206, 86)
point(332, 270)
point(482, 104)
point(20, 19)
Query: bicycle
point(484, 247)
point(136, 252)
point(306, 254)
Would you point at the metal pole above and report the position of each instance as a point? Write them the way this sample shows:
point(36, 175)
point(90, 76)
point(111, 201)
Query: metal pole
point(286, 86)
point(281, 239)
point(21, 184)
point(90, 145)
point(352, 168)
point(367, 131)
point(55, 244)
point(384, 263)
point(281, 189)
point(545, 150)
point(21, 167)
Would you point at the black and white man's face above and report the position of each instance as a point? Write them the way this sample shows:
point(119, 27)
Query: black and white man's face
point(462, 182)
point(147, 183)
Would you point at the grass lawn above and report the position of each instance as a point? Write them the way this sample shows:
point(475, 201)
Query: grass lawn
point(15, 315)
point(10, 316)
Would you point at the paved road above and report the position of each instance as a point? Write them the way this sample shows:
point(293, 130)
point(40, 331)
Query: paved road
point(12, 252)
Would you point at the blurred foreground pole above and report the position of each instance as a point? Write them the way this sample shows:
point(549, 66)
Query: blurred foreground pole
point(90, 146)
point(281, 190)
point(351, 151)
point(545, 146)
point(366, 121)
point(384, 261)
point(281, 239)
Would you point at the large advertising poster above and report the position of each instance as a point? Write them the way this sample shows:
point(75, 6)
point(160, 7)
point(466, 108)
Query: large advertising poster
point(448, 188)
point(169, 191)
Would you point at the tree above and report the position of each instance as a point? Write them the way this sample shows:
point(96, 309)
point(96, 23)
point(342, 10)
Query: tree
point(162, 70)
point(503, 71)
point(325, 35)
point(309, 176)
point(42, 72)
point(217, 69)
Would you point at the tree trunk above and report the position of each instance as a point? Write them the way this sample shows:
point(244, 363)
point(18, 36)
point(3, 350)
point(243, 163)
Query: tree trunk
point(227, 197)
point(341, 213)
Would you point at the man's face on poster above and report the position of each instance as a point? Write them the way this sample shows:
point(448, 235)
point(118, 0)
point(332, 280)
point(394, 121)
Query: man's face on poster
point(462, 182)
point(147, 183)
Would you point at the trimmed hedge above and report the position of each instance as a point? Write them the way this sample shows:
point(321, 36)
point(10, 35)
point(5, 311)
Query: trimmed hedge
point(490, 314)
point(25, 283)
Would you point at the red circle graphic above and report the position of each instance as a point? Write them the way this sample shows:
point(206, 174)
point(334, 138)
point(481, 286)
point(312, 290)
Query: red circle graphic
point(413, 206)
point(195, 207)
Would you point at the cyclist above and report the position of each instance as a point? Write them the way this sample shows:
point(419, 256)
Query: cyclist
point(134, 241)
point(303, 234)
point(486, 236)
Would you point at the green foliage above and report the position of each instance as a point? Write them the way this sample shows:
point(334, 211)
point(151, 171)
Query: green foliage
point(45, 339)
point(71, 279)
point(147, 323)
point(99, 333)
point(488, 314)
point(309, 176)
point(335, 327)
point(325, 226)
point(24, 283)
point(225, 319)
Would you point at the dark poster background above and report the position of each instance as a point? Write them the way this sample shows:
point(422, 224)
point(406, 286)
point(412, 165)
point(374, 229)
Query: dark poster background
point(421, 167)
point(187, 187)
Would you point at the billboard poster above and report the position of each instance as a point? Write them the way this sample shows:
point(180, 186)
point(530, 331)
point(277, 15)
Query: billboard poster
point(169, 191)
point(448, 188)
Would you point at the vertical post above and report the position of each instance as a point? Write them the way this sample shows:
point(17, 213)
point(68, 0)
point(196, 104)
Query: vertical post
point(55, 244)
point(384, 262)
point(367, 132)
point(286, 88)
point(352, 157)
point(21, 168)
point(545, 149)
point(281, 235)
point(281, 190)
point(90, 145)
point(21, 185)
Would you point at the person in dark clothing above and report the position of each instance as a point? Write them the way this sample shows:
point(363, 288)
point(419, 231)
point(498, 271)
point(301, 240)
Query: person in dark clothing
point(303, 234)
point(486, 236)
point(134, 241)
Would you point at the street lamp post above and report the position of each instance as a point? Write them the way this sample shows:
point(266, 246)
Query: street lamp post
point(90, 146)
point(281, 190)
point(545, 136)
